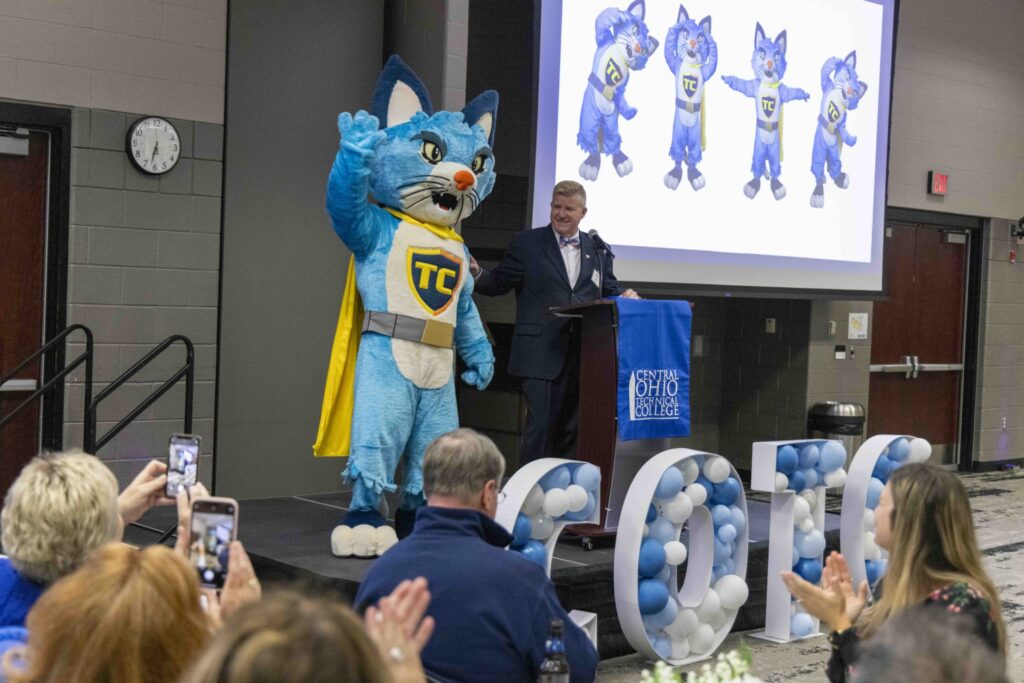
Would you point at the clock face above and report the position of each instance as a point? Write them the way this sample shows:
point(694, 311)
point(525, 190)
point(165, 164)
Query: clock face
point(153, 145)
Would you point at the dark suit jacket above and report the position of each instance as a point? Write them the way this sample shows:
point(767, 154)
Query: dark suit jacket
point(533, 266)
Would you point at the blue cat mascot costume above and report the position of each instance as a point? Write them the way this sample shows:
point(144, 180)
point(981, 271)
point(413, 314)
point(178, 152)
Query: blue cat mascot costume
point(838, 97)
point(623, 45)
point(692, 56)
point(769, 93)
point(414, 305)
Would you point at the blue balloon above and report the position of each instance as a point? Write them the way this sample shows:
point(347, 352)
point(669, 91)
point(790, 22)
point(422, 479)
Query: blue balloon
point(875, 488)
point(706, 483)
point(521, 531)
point(558, 478)
point(801, 624)
point(662, 530)
point(808, 457)
point(659, 620)
point(809, 569)
point(810, 477)
point(739, 520)
point(718, 571)
point(811, 544)
point(652, 557)
point(670, 485)
point(797, 482)
point(727, 533)
point(871, 569)
point(535, 552)
point(899, 450)
point(588, 476)
point(722, 551)
point(786, 460)
point(720, 515)
point(587, 511)
point(833, 456)
point(727, 492)
point(652, 596)
point(663, 646)
point(652, 512)
point(882, 467)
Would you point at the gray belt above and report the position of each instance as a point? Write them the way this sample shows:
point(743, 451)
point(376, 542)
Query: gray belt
point(830, 127)
point(768, 125)
point(429, 332)
point(607, 91)
point(688, 106)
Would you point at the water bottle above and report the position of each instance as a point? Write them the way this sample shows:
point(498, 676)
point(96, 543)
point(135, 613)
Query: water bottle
point(555, 667)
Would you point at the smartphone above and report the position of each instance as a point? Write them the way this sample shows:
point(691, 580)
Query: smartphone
point(214, 525)
point(182, 463)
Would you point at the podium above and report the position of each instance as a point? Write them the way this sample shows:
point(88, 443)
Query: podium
point(597, 440)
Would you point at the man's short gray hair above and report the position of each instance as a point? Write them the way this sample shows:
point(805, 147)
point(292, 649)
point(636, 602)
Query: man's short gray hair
point(60, 508)
point(459, 464)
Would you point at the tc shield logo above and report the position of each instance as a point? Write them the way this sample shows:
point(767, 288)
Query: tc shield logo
point(768, 106)
point(434, 276)
point(690, 85)
point(612, 73)
point(833, 112)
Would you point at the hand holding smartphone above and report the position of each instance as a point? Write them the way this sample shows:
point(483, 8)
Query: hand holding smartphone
point(213, 526)
point(182, 463)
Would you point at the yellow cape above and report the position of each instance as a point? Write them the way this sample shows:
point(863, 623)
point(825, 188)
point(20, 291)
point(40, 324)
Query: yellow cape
point(334, 435)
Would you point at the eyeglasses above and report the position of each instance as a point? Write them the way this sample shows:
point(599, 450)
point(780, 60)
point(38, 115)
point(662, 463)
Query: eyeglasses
point(501, 496)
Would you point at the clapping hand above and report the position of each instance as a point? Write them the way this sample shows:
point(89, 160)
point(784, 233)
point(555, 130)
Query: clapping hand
point(399, 629)
point(835, 601)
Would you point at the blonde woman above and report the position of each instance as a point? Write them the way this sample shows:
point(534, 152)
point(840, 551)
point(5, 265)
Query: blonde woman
point(924, 520)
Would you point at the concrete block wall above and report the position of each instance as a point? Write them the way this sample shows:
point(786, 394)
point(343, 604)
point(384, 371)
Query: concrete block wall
point(999, 416)
point(829, 379)
point(154, 56)
point(144, 261)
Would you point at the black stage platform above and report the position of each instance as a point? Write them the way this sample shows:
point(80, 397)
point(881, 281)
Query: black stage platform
point(288, 540)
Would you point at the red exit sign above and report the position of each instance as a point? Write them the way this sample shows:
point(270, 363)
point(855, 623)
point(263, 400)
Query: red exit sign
point(938, 183)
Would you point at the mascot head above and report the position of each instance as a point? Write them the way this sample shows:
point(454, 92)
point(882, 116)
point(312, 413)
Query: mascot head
point(688, 40)
point(769, 58)
point(848, 83)
point(437, 168)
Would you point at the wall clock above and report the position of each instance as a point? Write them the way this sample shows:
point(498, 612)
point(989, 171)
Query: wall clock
point(153, 145)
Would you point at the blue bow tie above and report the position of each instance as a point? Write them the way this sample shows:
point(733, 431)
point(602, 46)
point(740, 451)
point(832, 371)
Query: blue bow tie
point(569, 242)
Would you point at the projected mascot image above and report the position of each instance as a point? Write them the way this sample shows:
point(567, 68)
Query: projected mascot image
point(692, 56)
point(427, 172)
point(769, 93)
point(838, 97)
point(623, 45)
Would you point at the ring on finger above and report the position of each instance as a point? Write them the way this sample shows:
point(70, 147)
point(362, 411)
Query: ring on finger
point(396, 655)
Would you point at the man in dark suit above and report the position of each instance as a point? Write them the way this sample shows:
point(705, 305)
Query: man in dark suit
point(548, 267)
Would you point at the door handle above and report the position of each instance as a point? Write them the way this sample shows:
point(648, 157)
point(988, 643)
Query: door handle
point(915, 363)
point(906, 367)
point(18, 386)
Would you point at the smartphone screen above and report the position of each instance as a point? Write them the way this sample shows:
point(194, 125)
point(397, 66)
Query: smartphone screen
point(214, 526)
point(182, 463)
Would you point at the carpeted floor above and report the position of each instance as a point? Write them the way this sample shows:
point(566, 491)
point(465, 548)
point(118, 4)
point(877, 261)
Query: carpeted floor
point(997, 499)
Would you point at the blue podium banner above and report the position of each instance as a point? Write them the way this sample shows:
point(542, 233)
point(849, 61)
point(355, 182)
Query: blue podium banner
point(654, 368)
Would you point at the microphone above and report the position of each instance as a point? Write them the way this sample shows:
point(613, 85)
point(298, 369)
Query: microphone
point(601, 244)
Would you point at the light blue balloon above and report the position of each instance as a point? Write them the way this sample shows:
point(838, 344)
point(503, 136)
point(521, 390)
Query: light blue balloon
point(808, 457)
point(796, 554)
point(800, 625)
point(833, 456)
point(718, 571)
point(535, 552)
point(730, 566)
point(881, 565)
point(727, 533)
point(737, 519)
point(810, 477)
point(588, 476)
point(666, 616)
point(585, 513)
point(662, 530)
point(665, 574)
point(720, 515)
point(875, 488)
point(786, 460)
point(652, 557)
point(651, 596)
point(558, 478)
point(811, 544)
point(521, 531)
point(670, 485)
point(899, 450)
point(722, 552)
point(663, 646)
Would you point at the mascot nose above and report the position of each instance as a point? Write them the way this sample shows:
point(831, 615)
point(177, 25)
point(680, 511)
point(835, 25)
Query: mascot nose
point(770, 64)
point(463, 180)
point(693, 44)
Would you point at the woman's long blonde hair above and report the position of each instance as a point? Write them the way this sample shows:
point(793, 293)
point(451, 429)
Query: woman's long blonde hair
point(125, 616)
point(932, 544)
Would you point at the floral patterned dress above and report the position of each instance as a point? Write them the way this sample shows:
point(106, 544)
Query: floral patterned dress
point(958, 598)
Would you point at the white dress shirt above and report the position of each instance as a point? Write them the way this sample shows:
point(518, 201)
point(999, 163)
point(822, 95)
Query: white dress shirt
point(571, 256)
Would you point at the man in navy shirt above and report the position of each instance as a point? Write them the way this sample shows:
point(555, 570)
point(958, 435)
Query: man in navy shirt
point(492, 608)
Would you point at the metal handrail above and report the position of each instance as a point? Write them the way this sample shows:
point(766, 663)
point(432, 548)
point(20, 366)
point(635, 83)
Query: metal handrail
point(92, 444)
point(86, 357)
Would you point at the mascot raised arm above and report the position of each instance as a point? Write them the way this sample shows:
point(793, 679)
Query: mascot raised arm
point(408, 298)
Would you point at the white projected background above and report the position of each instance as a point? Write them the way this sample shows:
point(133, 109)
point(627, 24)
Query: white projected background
point(714, 235)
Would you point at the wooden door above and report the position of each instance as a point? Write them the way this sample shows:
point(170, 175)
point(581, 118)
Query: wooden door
point(23, 218)
point(917, 346)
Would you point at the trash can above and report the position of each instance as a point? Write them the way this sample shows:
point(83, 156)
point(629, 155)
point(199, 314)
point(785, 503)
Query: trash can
point(836, 420)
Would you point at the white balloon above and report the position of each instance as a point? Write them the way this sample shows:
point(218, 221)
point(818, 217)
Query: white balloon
point(675, 553)
point(718, 621)
point(810, 496)
point(781, 482)
point(807, 525)
point(647, 531)
point(678, 509)
point(920, 450)
point(577, 497)
point(709, 606)
point(871, 549)
point(697, 493)
point(836, 479)
point(801, 509)
point(541, 527)
point(680, 648)
point(702, 639)
point(732, 591)
point(686, 623)
point(869, 519)
point(534, 501)
point(690, 470)
point(716, 469)
point(556, 502)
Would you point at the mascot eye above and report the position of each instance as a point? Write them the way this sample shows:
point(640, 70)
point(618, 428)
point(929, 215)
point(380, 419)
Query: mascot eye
point(431, 152)
point(686, 34)
point(479, 163)
point(635, 30)
point(760, 53)
point(700, 39)
point(778, 57)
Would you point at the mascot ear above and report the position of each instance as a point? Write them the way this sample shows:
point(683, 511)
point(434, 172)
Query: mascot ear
point(758, 35)
point(780, 41)
point(705, 25)
point(851, 60)
point(399, 94)
point(638, 9)
point(682, 16)
point(483, 112)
